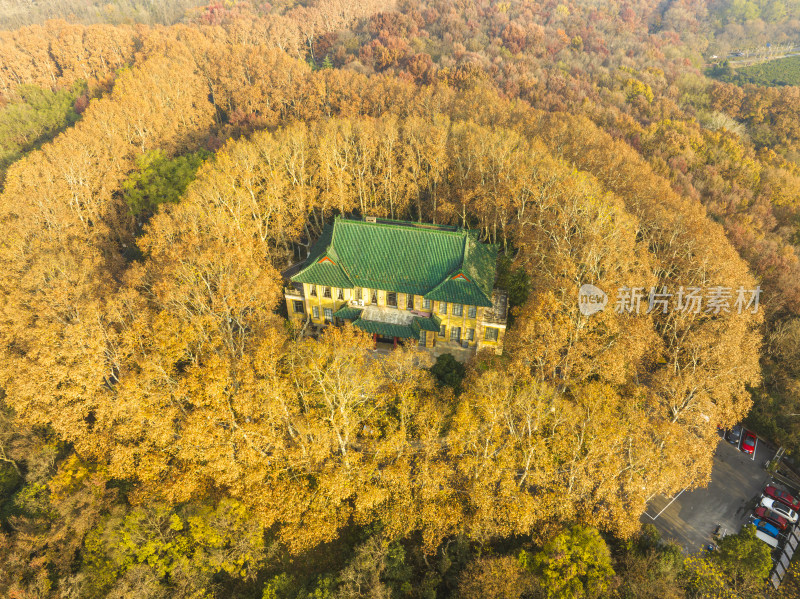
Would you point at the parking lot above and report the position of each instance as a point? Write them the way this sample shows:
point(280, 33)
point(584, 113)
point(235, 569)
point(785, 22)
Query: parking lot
point(691, 518)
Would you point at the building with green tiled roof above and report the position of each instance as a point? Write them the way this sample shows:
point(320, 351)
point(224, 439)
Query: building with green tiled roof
point(401, 280)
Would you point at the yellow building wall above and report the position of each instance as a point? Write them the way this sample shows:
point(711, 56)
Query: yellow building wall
point(496, 346)
point(430, 336)
point(294, 317)
point(323, 302)
point(404, 299)
point(449, 320)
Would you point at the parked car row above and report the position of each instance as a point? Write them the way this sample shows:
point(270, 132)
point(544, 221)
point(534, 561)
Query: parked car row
point(776, 511)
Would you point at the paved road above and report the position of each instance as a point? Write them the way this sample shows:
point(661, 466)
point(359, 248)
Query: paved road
point(691, 518)
point(753, 59)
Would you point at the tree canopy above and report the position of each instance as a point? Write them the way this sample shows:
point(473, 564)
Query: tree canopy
point(164, 432)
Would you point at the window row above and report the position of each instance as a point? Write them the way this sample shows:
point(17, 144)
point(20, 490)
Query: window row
point(327, 292)
point(490, 333)
point(458, 310)
point(328, 312)
point(392, 300)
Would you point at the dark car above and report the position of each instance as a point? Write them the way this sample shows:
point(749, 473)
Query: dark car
point(749, 443)
point(783, 497)
point(763, 513)
point(734, 435)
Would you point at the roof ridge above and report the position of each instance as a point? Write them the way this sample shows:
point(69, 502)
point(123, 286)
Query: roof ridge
point(409, 225)
point(465, 251)
point(448, 277)
point(483, 247)
point(339, 261)
point(481, 291)
point(340, 264)
point(325, 251)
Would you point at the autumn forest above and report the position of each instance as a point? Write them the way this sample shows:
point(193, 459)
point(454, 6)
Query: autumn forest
point(166, 432)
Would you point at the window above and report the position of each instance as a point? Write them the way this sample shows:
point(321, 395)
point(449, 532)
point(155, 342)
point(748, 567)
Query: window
point(358, 293)
point(471, 311)
point(326, 292)
point(313, 291)
point(422, 336)
point(426, 304)
point(340, 294)
point(491, 334)
point(391, 299)
point(315, 312)
point(455, 334)
point(470, 334)
point(458, 309)
point(442, 331)
point(409, 301)
point(442, 307)
point(298, 307)
point(328, 315)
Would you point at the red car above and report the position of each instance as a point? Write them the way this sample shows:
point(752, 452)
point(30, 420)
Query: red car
point(771, 517)
point(783, 497)
point(749, 443)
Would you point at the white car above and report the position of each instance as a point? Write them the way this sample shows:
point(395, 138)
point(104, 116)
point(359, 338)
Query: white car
point(780, 508)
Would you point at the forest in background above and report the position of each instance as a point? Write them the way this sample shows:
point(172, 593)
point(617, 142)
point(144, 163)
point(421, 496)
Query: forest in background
point(164, 434)
point(21, 13)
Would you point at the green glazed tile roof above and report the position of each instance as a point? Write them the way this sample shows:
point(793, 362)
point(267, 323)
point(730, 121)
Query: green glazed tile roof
point(387, 329)
point(348, 313)
point(460, 292)
point(403, 257)
point(330, 275)
point(428, 324)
